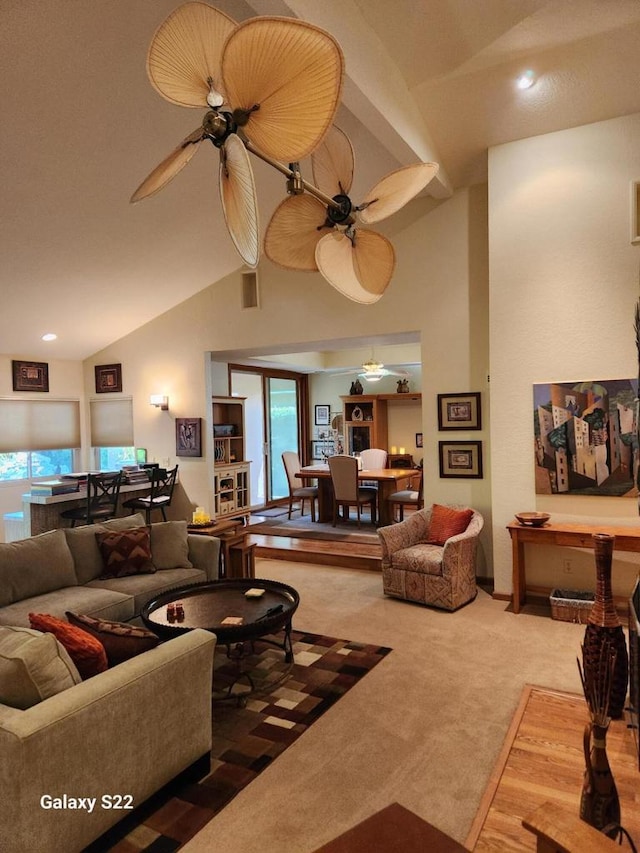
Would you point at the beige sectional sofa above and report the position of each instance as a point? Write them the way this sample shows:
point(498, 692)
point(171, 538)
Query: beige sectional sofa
point(122, 733)
point(60, 570)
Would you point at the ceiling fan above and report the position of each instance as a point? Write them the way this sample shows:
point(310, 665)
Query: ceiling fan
point(374, 371)
point(271, 87)
point(305, 234)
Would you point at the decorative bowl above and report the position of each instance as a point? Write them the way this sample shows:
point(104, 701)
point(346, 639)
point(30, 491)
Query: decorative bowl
point(533, 519)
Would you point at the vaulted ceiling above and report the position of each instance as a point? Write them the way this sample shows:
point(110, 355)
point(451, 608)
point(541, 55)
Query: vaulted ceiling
point(425, 80)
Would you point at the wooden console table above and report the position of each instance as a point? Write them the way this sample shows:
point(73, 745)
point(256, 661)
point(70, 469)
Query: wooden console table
point(563, 535)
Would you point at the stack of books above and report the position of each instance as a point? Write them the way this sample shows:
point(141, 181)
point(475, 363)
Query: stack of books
point(48, 488)
point(133, 475)
point(80, 477)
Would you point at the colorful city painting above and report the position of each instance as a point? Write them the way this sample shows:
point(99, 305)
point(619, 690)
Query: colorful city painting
point(586, 440)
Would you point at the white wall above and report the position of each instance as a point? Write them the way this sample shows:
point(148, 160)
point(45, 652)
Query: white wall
point(563, 287)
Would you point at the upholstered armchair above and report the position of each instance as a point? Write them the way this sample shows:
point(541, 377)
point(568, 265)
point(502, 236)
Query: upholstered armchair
point(438, 575)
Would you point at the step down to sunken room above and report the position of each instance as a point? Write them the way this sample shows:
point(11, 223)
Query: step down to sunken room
point(349, 555)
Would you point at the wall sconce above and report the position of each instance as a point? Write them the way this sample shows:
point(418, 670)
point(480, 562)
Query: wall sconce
point(159, 402)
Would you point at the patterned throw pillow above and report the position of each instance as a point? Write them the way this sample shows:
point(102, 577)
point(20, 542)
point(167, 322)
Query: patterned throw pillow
point(125, 552)
point(447, 522)
point(120, 640)
point(85, 651)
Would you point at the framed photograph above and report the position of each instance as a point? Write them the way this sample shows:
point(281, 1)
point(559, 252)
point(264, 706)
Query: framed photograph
point(317, 448)
point(460, 459)
point(30, 375)
point(459, 411)
point(418, 439)
point(188, 437)
point(108, 378)
point(323, 415)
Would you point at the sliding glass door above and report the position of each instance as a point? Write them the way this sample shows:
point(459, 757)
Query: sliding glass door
point(282, 432)
point(274, 422)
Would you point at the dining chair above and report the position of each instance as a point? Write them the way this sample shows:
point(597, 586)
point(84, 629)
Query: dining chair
point(103, 491)
point(291, 462)
point(406, 497)
point(372, 458)
point(347, 491)
point(159, 498)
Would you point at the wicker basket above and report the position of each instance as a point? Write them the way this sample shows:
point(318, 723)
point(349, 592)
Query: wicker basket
point(571, 605)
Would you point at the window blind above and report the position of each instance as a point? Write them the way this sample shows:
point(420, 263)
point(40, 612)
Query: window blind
point(39, 425)
point(111, 422)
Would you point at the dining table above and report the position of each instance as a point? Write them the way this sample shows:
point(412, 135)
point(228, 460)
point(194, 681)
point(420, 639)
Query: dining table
point(388, 480)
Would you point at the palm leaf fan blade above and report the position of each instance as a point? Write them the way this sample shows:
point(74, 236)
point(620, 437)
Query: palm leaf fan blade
point(334, 256)
point(333, 163)
point(294, 231)
point(396, 189)
point(239, 203)
point(374, 261)
point(291, 72)
point(170, 166)
point(185, 53)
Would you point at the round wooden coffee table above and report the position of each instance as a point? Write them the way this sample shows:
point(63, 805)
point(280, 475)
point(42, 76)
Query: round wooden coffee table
point(206, 605)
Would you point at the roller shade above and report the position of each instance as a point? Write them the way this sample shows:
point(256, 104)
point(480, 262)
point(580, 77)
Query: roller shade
point(112, 422)
point(39, 425)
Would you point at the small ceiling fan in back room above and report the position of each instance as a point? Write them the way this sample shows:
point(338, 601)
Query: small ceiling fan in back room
point(271, 87)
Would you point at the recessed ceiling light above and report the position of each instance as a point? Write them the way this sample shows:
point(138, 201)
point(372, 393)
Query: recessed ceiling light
point(49, 337)
point(526, 80)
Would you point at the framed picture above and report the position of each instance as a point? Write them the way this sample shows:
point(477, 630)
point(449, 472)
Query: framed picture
point(460, 459)
point(30, 375)
point(418, 439)
point(317, 448)
point(459, 411)
point(188, 437)
point(108, 378)
point(323, 415)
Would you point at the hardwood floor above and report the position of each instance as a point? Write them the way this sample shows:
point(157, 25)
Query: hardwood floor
point(542, 761)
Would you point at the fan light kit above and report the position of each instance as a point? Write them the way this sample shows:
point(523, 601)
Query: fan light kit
point(271, 87)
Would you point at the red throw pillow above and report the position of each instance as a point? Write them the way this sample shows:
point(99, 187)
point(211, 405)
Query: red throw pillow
point(85, 651)
point(120, 640)
point(447, 522)
point(125, 552)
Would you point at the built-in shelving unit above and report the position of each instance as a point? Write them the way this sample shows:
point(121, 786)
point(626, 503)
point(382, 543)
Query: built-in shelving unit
point(230, 468)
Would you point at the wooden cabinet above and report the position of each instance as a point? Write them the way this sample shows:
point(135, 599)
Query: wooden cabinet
point(230, 468)
point(365, 422)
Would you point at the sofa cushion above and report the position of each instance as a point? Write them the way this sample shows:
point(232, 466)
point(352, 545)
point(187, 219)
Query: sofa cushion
point(447, 522)
point(33, 666)
point(33, 566)
point(85, 650)
point(104, 603)
point(121, 641)
point(169, 545)
point(145, 587)
point(82, 543)
point(125, 552)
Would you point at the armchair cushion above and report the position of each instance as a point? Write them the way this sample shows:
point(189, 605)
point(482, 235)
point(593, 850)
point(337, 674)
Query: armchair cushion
point(447, 522)
point(423, 558)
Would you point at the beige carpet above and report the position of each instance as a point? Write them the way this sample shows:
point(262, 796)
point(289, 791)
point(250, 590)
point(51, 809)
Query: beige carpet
point(423, 729)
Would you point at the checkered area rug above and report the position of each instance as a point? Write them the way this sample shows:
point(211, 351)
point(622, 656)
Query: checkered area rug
point(287, 698)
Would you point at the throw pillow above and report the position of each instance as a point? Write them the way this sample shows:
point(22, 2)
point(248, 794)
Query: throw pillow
point(121, 641)
point(33, 666)
point(125, 552)
point(85, 651)
point(447, 522)
point(169, 545)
